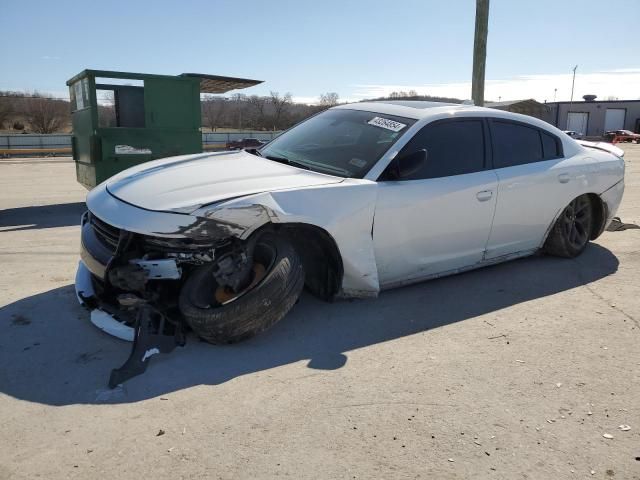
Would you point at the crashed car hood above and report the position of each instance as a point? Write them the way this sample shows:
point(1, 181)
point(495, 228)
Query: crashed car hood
point(188, 182)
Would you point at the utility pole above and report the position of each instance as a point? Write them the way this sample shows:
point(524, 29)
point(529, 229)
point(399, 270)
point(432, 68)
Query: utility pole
point(480, 52)
point(555, 91)
point(573, 82)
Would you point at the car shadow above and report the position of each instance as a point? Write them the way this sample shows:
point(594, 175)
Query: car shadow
point(51, 354)
point(41, 216)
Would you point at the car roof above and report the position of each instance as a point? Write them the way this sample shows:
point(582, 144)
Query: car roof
point(424, 112)
point(435, 110)
point(403, 108)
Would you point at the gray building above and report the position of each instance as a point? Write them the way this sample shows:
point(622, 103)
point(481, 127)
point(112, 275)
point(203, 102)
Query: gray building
point(525, 107)
point(591, 117)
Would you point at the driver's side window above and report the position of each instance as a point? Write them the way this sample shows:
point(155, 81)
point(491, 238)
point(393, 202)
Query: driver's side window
point(454, 147)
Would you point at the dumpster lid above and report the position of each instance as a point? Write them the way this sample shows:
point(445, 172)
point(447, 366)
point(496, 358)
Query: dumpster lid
point(218, 84)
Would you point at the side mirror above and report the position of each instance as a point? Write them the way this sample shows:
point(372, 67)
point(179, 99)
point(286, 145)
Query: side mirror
point(410, 164)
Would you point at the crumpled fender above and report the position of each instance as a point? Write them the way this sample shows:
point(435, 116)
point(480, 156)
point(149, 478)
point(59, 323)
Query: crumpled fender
point(344, 210)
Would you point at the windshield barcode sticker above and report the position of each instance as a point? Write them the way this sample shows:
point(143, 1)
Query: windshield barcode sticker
point(386, 123)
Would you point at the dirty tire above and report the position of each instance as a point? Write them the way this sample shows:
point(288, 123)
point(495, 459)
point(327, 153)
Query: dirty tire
point(572, 230)
point(254, 311)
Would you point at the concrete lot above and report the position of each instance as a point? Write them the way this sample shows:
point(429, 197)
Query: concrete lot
point(514, 371)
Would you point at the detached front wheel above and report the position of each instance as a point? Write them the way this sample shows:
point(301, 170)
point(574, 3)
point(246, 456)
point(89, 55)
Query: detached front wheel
point(218, 315)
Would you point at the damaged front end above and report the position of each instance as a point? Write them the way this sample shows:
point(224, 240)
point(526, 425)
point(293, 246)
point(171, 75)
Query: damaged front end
point(131, 282)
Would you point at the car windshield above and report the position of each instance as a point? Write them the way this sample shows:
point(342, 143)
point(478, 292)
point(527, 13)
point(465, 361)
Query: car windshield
point(340, 142)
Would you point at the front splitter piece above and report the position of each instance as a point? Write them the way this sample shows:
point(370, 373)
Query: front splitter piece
point(153, 334)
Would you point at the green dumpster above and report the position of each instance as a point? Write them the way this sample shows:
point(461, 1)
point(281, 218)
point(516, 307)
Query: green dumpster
point(122, 119)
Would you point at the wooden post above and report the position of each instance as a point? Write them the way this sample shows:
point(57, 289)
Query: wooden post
point(480, 52)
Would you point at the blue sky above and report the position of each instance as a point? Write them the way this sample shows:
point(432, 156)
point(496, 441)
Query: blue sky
point(356, 48)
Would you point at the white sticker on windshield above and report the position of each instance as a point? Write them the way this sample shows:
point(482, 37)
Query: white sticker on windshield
point(386, 123)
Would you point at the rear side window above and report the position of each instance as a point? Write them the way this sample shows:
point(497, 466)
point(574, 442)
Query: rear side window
point(515, 144)
point(550, 146)
point(453, 148)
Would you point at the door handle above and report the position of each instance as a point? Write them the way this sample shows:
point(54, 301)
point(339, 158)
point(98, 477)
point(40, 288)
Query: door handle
point(484, 195)
point(564, 178)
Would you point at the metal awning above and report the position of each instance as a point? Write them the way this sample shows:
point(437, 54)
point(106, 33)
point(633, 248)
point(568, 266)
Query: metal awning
point(208, 83)
point(218, 84)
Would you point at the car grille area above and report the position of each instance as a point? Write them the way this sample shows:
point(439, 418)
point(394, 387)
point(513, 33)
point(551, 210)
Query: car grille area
point(107, 234)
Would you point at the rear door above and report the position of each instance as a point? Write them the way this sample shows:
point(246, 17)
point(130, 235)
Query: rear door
point(532, 185)
point(437, 220)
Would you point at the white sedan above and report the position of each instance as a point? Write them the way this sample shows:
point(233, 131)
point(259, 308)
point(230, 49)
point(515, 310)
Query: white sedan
point(354, 200)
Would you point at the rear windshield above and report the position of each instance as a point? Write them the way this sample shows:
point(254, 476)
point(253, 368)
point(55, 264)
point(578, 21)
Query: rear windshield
point(340, 142)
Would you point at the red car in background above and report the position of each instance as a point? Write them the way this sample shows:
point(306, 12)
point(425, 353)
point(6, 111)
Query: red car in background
point(615, 136)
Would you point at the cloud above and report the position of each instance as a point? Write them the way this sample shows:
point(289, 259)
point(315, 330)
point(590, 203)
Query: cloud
point(621, 83)
point(316, 100)
point(307, 100)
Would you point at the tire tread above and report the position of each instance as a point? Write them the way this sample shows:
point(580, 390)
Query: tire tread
point(253, 312)
point(557, 243)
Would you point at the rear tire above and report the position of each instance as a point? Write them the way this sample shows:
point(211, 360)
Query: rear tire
point(572, 230)
point(252, 312)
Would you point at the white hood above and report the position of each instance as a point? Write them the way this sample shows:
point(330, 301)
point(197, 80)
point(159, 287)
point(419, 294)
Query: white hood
point(190, 181)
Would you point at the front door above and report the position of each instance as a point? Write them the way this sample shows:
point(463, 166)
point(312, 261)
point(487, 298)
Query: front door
point(438, 220)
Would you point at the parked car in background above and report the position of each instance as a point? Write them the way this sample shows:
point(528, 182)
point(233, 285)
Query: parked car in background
point(357, 199)
point(573, 134)
point(615, 136)
point(244, 143)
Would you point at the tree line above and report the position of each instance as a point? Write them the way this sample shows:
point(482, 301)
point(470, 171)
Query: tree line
point(42, 113)
point(33, 112)
point(273, 112)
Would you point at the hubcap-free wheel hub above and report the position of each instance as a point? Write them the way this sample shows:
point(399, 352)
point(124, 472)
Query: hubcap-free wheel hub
point(577, 222)
point(225, 294)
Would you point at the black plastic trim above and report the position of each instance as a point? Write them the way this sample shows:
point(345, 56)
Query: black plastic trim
point(93, 253)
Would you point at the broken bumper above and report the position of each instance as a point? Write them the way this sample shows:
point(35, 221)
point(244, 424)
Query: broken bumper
point(91, 279)
point(105, 321)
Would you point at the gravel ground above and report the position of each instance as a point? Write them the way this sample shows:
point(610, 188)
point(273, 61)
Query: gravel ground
point(522, 370)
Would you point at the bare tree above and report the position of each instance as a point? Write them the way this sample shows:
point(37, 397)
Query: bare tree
point(329, 99)
point(258, 105)
point(239, 103)
point(280, 107)
point(6, 110)
point(213, 109)
point(46, 115)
